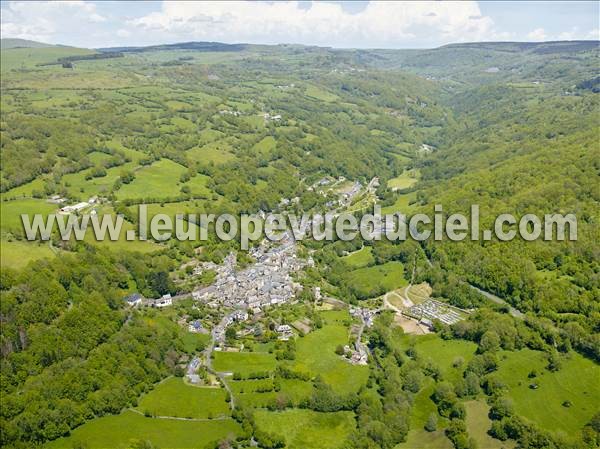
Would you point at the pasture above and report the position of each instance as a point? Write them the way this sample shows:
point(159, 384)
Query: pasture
point(265, 146)
point(377, 279)
point(360, 258)
point(119, 431)
point(315, 353)
point(29, 58)
point(401, 205)
point(10, 213)
point(320, 94)
point(407, 179)
point(306, 429)
point(243, 362)
point(443, 353)
point(159, 180)
point(17, 254)
point(576, 381)
point(173, 397)
point(418, 437)
point(478, 423)
point(218, 152)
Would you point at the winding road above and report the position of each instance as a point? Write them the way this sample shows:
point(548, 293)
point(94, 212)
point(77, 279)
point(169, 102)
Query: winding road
point(219, 328)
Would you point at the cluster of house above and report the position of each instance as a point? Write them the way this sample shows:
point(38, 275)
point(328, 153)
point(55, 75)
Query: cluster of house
point(284, 332)
point(229, 112)
point(219, 330)
point(358, 355)
point(136, 299)
point(366, 315)
point(269, 117)
point(268, 282)
point(196, 327)
point(163, 301)
point(73, 208)
point(430, 310)
point(347, 195)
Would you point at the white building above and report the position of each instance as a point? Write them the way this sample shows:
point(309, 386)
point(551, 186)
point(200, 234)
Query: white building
point(165, 301)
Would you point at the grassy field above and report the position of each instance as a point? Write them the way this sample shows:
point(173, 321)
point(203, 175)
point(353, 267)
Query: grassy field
point(388, 276)
point(407, 179)
point(401, 204)
point(17, 254)
point(10, 212)
point(418, 437)
point(122, 244)
point(442, 352)
point(83, 188)
point(120, 431)
point(158, 180)
point(360, 258)
point(577, 381)
point(315, 353)
point(320, 94)
point(192, 340)
point(306, 429)
point(217, 152)
point(243, 362)
point(245, 391)
point(25, 190)
point(478, 423)
point(17, 58)
point(265, 146)
point(173, 397)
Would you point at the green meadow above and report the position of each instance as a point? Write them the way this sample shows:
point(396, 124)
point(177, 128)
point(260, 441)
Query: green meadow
point(306, 429)
point(418, 437)
point(265, 146)
point(478, 424)
point(218, 152)
point(320, 94)
point(25, 190)
point(360, 258)
point(377, 279)
point(405, 180)
point(159, 180)
point(124, 430)
point(18, 58)
point(173, 397)
point(243, 362)
point(315, 353)
point(577, 381)
point(17, 254)
point(401, 205)
point(10, 213)
point(444, 353)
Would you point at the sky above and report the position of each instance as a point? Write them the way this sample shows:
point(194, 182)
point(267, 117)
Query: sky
point(356, 24)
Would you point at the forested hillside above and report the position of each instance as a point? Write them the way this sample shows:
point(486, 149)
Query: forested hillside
point(209, 127)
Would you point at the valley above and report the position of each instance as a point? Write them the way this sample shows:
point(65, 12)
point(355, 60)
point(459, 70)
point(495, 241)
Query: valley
point(312, 344)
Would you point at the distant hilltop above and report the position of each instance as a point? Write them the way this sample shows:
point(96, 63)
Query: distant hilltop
point(535, 47)
point(197, 46)
point(509, 47)
point(5, 44)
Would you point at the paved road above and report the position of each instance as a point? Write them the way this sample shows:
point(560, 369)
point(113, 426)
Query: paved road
point(208, 353)
point(514, 312)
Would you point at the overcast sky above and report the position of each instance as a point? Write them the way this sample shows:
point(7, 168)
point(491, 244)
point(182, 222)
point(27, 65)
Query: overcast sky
point(364, 24)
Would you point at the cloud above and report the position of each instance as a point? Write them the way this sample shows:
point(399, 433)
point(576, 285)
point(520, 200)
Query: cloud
point(537, 35)
point(594, 34)
point(123, 33)
point(383, 24)
point(43, 20)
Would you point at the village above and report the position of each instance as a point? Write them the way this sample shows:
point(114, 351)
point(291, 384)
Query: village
point(266, 283)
